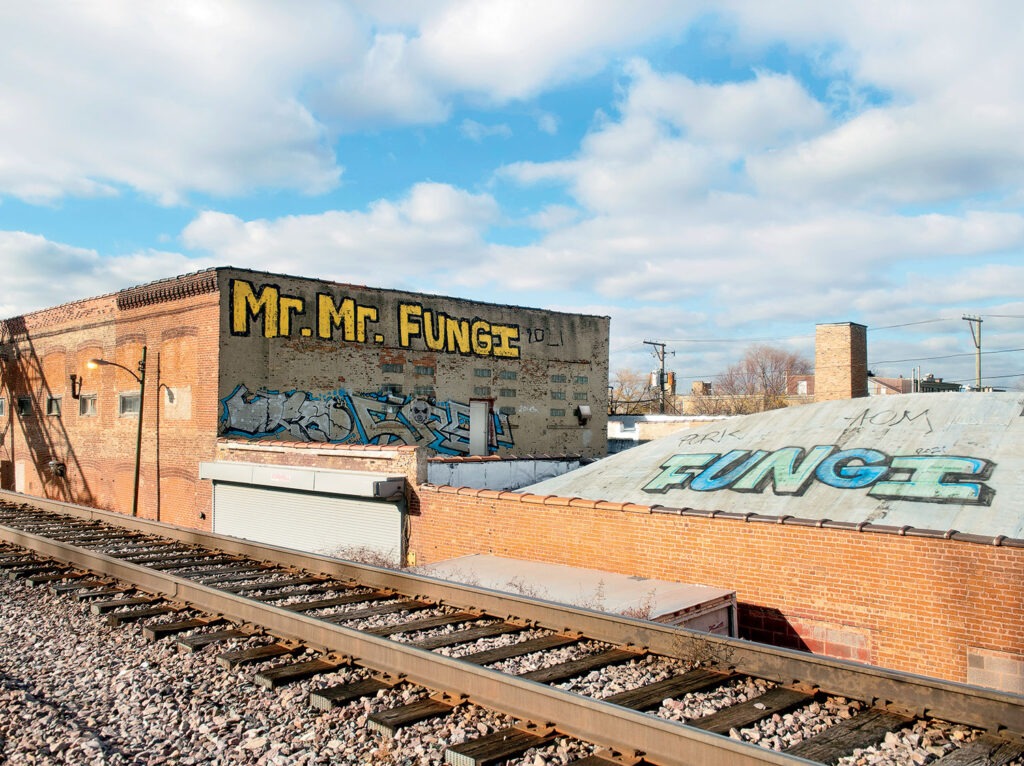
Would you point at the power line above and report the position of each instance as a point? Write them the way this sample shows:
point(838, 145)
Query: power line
point(911, 324)
point(947, 356)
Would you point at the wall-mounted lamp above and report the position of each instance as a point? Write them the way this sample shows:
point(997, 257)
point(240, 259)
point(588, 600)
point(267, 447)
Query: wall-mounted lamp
point(582, 414)
point(76, 386)
point(141, 377)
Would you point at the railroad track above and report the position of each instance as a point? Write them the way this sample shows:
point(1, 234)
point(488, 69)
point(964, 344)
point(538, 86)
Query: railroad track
point(462, 644)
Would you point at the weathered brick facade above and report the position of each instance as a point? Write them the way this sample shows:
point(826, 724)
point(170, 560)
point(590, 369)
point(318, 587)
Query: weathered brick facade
point(915, 603)
point(177, 322)
point(273, 357)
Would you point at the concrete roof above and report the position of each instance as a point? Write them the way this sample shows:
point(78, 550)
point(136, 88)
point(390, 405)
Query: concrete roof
point(943, 461)
point(587, 588)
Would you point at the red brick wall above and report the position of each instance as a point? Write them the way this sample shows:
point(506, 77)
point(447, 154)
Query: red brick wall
point(177, 320)
point(909, 603)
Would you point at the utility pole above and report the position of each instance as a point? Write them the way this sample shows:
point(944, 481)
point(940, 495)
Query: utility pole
point(976, 336)
point(659, 351)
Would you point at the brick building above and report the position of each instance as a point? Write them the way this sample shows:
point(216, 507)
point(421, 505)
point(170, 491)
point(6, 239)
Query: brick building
point(266, 356)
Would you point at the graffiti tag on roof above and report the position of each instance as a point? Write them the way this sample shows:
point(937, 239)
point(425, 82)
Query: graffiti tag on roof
point(925, 478)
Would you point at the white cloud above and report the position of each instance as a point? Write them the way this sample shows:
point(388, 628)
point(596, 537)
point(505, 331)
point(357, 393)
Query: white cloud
point(405, 244)
point(193, 96)
point(39, 273)
point(476, 131)
point(547, 123)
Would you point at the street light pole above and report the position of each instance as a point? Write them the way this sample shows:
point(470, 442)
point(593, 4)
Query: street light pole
point(141, 377)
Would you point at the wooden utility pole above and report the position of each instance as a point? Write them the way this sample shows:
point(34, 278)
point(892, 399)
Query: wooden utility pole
point(659, 351)
point(976, 336)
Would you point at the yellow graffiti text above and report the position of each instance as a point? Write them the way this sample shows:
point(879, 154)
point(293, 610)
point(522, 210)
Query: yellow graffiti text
point(455, 335)
point(350, 316)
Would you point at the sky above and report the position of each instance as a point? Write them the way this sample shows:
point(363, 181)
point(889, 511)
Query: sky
point(708, 175)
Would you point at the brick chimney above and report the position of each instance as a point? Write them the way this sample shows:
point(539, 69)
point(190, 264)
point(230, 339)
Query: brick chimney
point(840, 361)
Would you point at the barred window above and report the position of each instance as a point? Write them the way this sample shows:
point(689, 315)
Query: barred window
point(580, 396)
point(392, 368)
point(481, 390)
point(581, 380)
point(508, 375)
point(422, 369)
point(482, 372)
point(507, 393)
point(558, 379)
point(558, 394)
point(557, 412)
point(427, 391)
point(129, 404)
point(506, 410)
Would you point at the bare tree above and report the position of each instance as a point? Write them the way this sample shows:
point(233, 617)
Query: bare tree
point(756, 383)
point(631, 393)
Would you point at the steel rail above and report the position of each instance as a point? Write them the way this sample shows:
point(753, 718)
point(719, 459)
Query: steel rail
point(601, 723)
point(994, 711)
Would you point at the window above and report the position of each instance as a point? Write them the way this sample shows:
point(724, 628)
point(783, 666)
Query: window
point(506, 410)
point(87, 405)
point(53, 405)
point(557, 412)
point(508, 374)
point(128, 404)
point(427, 391)
point(393, 389)
point(507, 393)
point(558, 394)
point(580, 396)
point(558, 379)
point(24, 405)
point(581, 380)
point(481, 372)
point(422, 369)
point(392, 368)
point(3, 406)
point(481, 390)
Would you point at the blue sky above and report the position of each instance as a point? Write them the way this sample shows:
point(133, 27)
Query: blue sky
point(706, 174)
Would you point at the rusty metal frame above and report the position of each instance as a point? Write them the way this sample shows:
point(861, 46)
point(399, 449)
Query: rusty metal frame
point(997, 712)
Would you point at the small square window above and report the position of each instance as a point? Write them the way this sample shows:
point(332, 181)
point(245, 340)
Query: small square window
point(53, 405)
point(24, 405)
point(128, 404)
point(481, 372)
point(87, 405)
point(558, 394)
point(557, 412)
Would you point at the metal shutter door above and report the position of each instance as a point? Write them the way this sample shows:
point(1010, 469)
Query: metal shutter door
point(305, 521)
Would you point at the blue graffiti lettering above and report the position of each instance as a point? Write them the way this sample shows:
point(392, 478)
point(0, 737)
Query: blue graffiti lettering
point(346, 418)
point(791, 470)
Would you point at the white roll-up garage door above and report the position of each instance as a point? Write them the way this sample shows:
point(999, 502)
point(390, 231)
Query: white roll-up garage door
point(332, 525)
